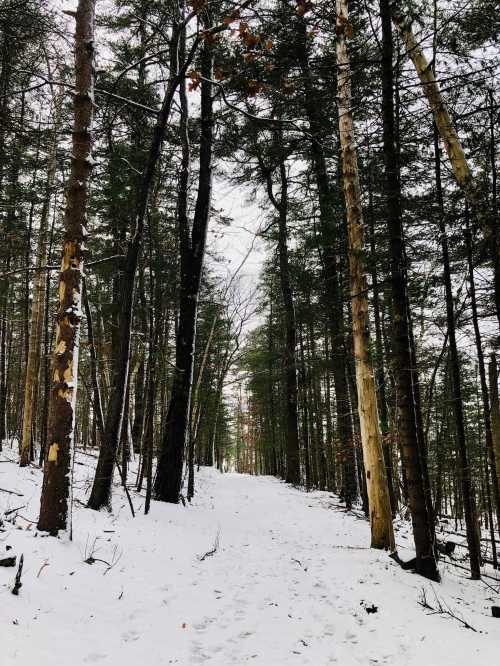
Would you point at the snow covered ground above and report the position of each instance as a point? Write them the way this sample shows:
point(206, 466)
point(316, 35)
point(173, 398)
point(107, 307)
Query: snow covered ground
point(289, 584)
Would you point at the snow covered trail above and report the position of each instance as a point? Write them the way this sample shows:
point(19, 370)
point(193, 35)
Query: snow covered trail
point(289, 584)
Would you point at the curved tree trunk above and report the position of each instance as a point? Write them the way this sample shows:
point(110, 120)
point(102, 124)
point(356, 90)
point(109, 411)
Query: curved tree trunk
point(460, 167)
point(100, 496)
point(168, 482)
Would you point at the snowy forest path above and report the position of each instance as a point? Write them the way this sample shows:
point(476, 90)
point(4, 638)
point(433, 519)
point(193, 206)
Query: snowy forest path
point(292, 581)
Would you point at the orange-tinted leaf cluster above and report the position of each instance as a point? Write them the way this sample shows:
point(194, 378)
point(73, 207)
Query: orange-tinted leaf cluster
point(249, 38)
point(255, 43)
point(195, 80)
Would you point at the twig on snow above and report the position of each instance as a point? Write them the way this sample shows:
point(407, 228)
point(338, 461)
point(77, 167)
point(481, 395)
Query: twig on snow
point(7, 513)
point(441, 608)
point(45, 564)
point(299, 563)
point(212, 552)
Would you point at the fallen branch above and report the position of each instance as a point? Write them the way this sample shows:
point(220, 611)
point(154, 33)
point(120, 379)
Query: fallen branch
point(7, 513)
point(441, 608)
point(11, 492)
point(483, 575)
point(212, 552)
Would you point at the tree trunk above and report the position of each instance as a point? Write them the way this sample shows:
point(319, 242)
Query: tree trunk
point(491, 463)
point(379, 348)
point(290, 361)
point(376, 479)
point(495, 411)
point(101, 490)
point(196, 410)
point(58, 463)
point(472, 527)
point(167, 486)
point(292, 427)
point(48, 336)
point(412, 446)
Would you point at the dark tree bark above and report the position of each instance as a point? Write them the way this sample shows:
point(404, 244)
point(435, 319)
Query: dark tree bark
point(472, 527)
point(491, 463)
point(292, 427)
point(168, 481)
point(306, 439)
point(290, 362)
point(412, 449)
point(139, 396)
point(101, 490)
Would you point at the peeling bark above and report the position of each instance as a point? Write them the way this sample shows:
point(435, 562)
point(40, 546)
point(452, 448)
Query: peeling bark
point(375, 473)
point(56, 489)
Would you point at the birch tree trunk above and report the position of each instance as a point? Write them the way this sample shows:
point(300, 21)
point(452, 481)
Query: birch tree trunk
point(376, 479)
point(37, 307)
point(56, 481)
point(460, 167)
